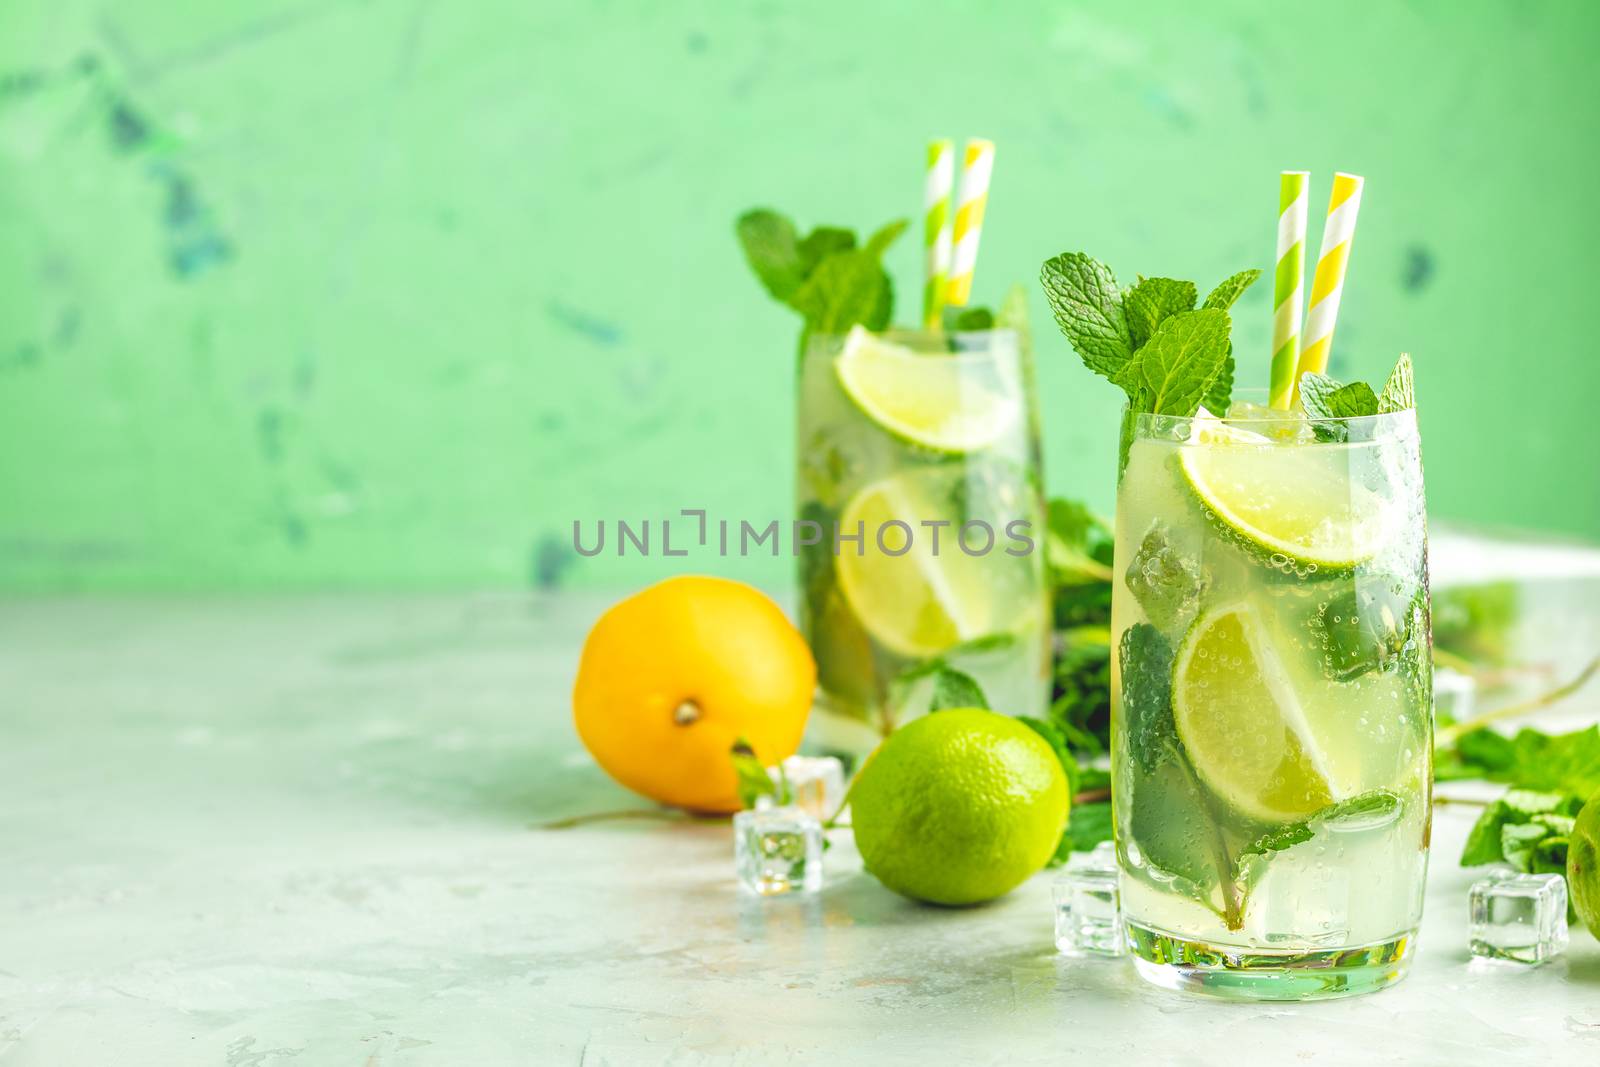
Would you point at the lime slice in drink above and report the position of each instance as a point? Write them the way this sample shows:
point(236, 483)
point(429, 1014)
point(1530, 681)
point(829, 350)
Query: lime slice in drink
point(950, 403)
point(1251, 736)
point(1297, 500)
point(918, 603)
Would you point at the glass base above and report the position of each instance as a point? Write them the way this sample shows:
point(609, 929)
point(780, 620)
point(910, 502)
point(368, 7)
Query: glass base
point(1233, 973)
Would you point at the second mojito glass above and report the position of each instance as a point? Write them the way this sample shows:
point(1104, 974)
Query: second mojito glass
point(1271, 727)
point(918, 463)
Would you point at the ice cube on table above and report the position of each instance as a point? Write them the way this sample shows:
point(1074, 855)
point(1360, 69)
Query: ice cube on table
point(1453, 694)
point(1103, 857)
point(777, 851)
point(1088, 908)
point(817, 783)
point(1517, 918)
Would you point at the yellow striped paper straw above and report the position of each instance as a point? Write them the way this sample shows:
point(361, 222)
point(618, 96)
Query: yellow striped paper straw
point(1333, 260)
point(975, 172)
point(937, 237)
point(1288, 290)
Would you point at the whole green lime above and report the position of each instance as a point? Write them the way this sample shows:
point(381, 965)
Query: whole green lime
point(959, 807)
point(1583, 865)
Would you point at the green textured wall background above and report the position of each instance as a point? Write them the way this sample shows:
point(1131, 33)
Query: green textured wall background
point(389, 293)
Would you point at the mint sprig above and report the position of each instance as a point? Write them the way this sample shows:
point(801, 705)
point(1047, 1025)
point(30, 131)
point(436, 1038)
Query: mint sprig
point(1325, 398)
point(1168, 356)
point(831, 280)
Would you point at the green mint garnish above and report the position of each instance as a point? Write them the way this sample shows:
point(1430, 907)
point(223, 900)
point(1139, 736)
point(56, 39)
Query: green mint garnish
point(1398, 393)
point(773, 250)
point(829, 279)
point(1180, 363)
point(1324, 398)
point(1221, 392)
point(1166, 355)
point(1230, 290)
point(1327, 398)
point(1153, 300)
point(1087, 304)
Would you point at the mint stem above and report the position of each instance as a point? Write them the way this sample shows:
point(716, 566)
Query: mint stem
point(1454, 732)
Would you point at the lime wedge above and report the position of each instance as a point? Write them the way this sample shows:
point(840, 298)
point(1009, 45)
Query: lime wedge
point(1251, 736)
point(951, 403)
point(919, 604)
point(1295, 499)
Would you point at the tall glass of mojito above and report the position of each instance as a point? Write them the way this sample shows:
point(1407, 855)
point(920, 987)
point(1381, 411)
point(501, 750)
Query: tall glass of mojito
point(1271, 726)
point(918, 490)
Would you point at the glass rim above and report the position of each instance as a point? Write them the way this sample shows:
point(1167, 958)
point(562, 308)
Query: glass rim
point(1277, 418)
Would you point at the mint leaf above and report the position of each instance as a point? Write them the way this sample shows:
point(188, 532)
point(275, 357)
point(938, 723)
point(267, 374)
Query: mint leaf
point(822, 242)
point(773, 251)
point(1180, 363)
point(1166, 583)
point(1013, 313)
point(957, 320)
point(1369, 808)
point(1148, 727)
point(1486, 841)
point(884, 236)
point(1221, 394)
point(1087, 305)
point(1072, 534)
point(1533, 760)
point(1398, 393)
point(956, 689)
point(825, 277)
point(1538, 846)
point(847, 289)
point(1325, 398)
point(1151, 302)
point(753, 780)
point(1087, 826)
point(1080, 699)
point(1223, 296)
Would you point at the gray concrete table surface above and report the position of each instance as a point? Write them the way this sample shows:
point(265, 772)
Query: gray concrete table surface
point(302, 831)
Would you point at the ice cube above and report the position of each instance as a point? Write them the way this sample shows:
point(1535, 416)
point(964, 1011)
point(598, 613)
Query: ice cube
point(1165, 581)
point(1518, 918)
point(1271, 422)
point(816, 784)
point(778, 850)
point(1103, 857)
point(1088, 909)
point(1453, 694)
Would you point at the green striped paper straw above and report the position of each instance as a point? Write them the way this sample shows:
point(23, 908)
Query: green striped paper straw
point(1288, 290)
point(937, 232)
